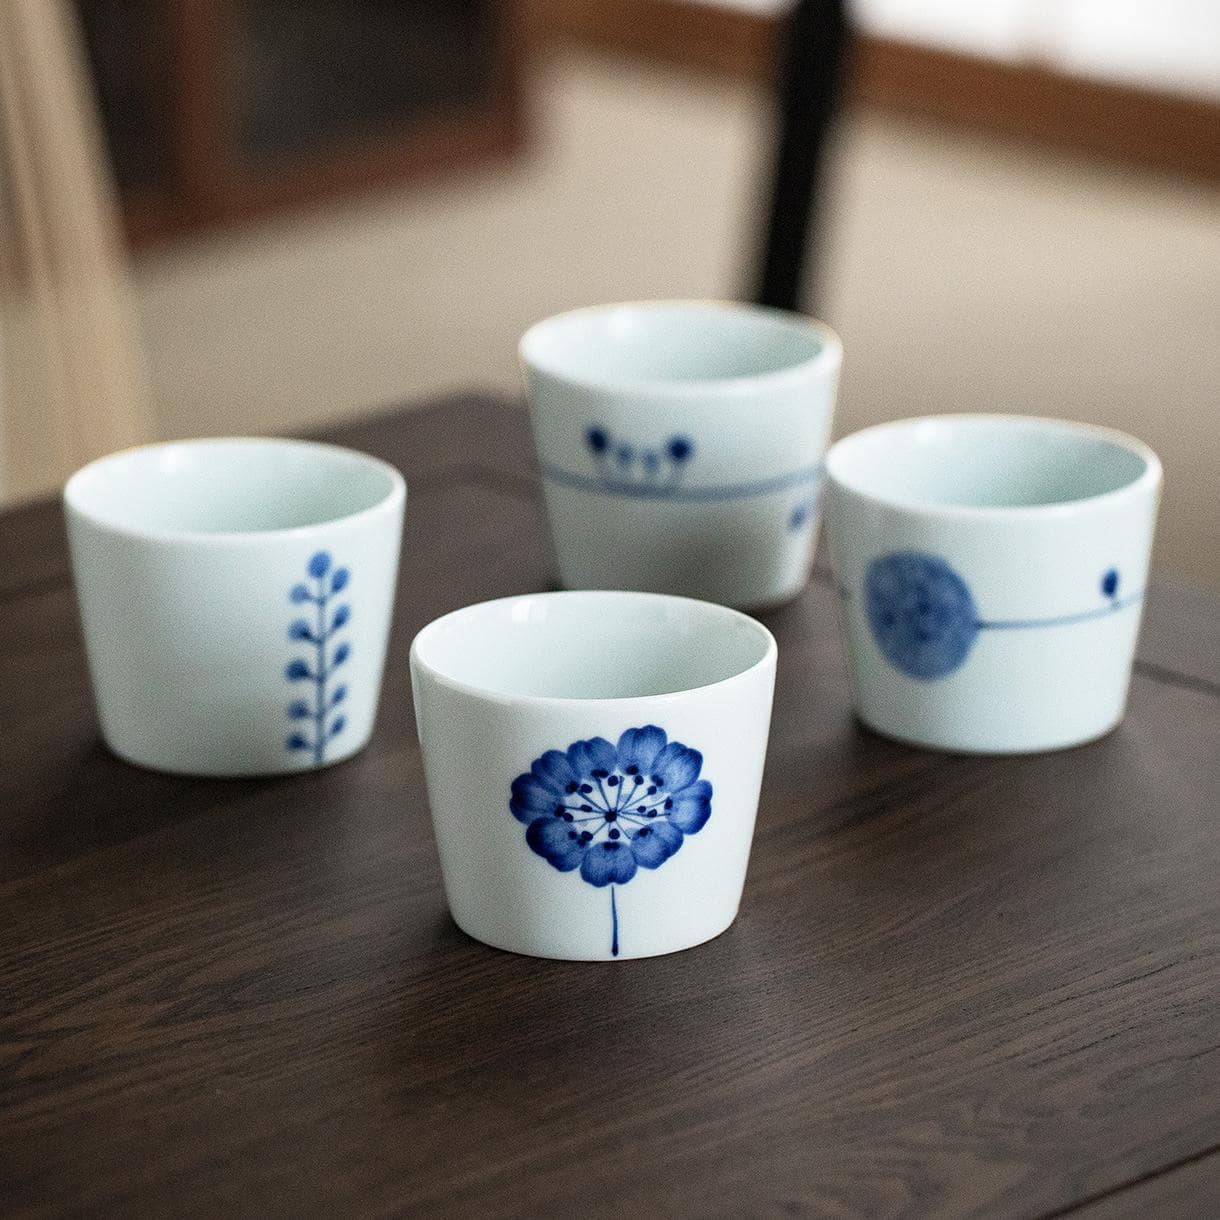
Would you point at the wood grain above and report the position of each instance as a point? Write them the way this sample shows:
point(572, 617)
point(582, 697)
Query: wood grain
point(958, 986)
point(1189, 1189)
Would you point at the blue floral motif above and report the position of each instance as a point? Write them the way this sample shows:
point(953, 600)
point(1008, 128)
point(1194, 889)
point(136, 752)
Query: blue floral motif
point(921, 613)
point(620, 462)
point(804, 510)
point(924, 620)
point(328, 620)
point(610, 810)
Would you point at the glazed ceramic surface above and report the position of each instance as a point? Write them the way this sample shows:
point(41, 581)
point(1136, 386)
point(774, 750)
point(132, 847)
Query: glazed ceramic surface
point(235, 597)
point(680, 445)
point(593, 763)
point(991, 571)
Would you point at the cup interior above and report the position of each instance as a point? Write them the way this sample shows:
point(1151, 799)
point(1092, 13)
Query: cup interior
point(232, 486)
point(979, 461)
point(673, 343)
point(591, 645)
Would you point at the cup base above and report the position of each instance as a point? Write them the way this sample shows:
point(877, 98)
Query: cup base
point(942, 747)
point(763, 604)
point(503, 947)
point(199, 772)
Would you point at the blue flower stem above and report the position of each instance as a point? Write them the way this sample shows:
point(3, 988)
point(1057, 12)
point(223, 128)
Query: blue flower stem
point(1020, 624)
point(613, 924)
point(319, 736)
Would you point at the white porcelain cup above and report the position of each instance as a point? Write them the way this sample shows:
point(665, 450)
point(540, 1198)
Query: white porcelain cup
point(235, 597)
point(680, 444)
point(992, 572)
point(593, 763)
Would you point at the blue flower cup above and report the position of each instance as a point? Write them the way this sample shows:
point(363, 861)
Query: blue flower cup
point(593, 764)
point(235, 596)
point(680, 445)
point(991, 572)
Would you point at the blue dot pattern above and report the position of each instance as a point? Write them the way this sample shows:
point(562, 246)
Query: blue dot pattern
point(921, 614)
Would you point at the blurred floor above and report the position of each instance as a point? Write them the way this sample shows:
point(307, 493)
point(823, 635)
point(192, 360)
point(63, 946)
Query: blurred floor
point(962, 275)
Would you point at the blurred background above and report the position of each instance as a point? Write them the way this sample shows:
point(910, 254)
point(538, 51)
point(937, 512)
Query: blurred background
point(235, 216)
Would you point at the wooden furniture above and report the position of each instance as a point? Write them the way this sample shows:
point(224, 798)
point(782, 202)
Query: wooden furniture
point(1031, 99)
point(810, 87)
point(220, 110)
point(958, 985)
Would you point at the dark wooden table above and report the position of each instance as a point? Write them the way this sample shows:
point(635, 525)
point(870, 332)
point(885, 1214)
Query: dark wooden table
point(958, 986)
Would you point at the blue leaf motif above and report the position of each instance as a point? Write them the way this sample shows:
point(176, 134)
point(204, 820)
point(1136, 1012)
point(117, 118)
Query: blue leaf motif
point(681, 448)
point(609, 810)
point(328, 581)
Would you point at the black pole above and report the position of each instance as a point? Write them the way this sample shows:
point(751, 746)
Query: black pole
point(810, 82)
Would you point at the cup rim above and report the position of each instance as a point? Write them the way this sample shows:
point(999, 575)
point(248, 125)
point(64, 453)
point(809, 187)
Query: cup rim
point(503, 699)
point(1149, 478)
point(72, 492)
point(829, 356)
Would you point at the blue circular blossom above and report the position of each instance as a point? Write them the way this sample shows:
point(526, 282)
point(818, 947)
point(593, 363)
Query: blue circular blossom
point(610, 810)
point(921, 613)
point(680, 448)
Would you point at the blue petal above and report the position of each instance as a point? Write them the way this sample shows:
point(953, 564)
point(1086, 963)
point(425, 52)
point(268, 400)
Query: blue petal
point(639, 748)
point(319, 565)
point(606, 862)
point(551, 838)
point(531, 798)
point(300, 630)
point(297, 671)
point(339, 580)
point(677, 766)
point(597, 754)
point(300, 593)
point(553, 772)
point(692, 807)
point(655, 843)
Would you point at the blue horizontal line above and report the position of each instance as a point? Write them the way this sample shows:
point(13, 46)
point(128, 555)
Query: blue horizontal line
point(671, 491)
point(1018, 624)
point(1015, 624)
